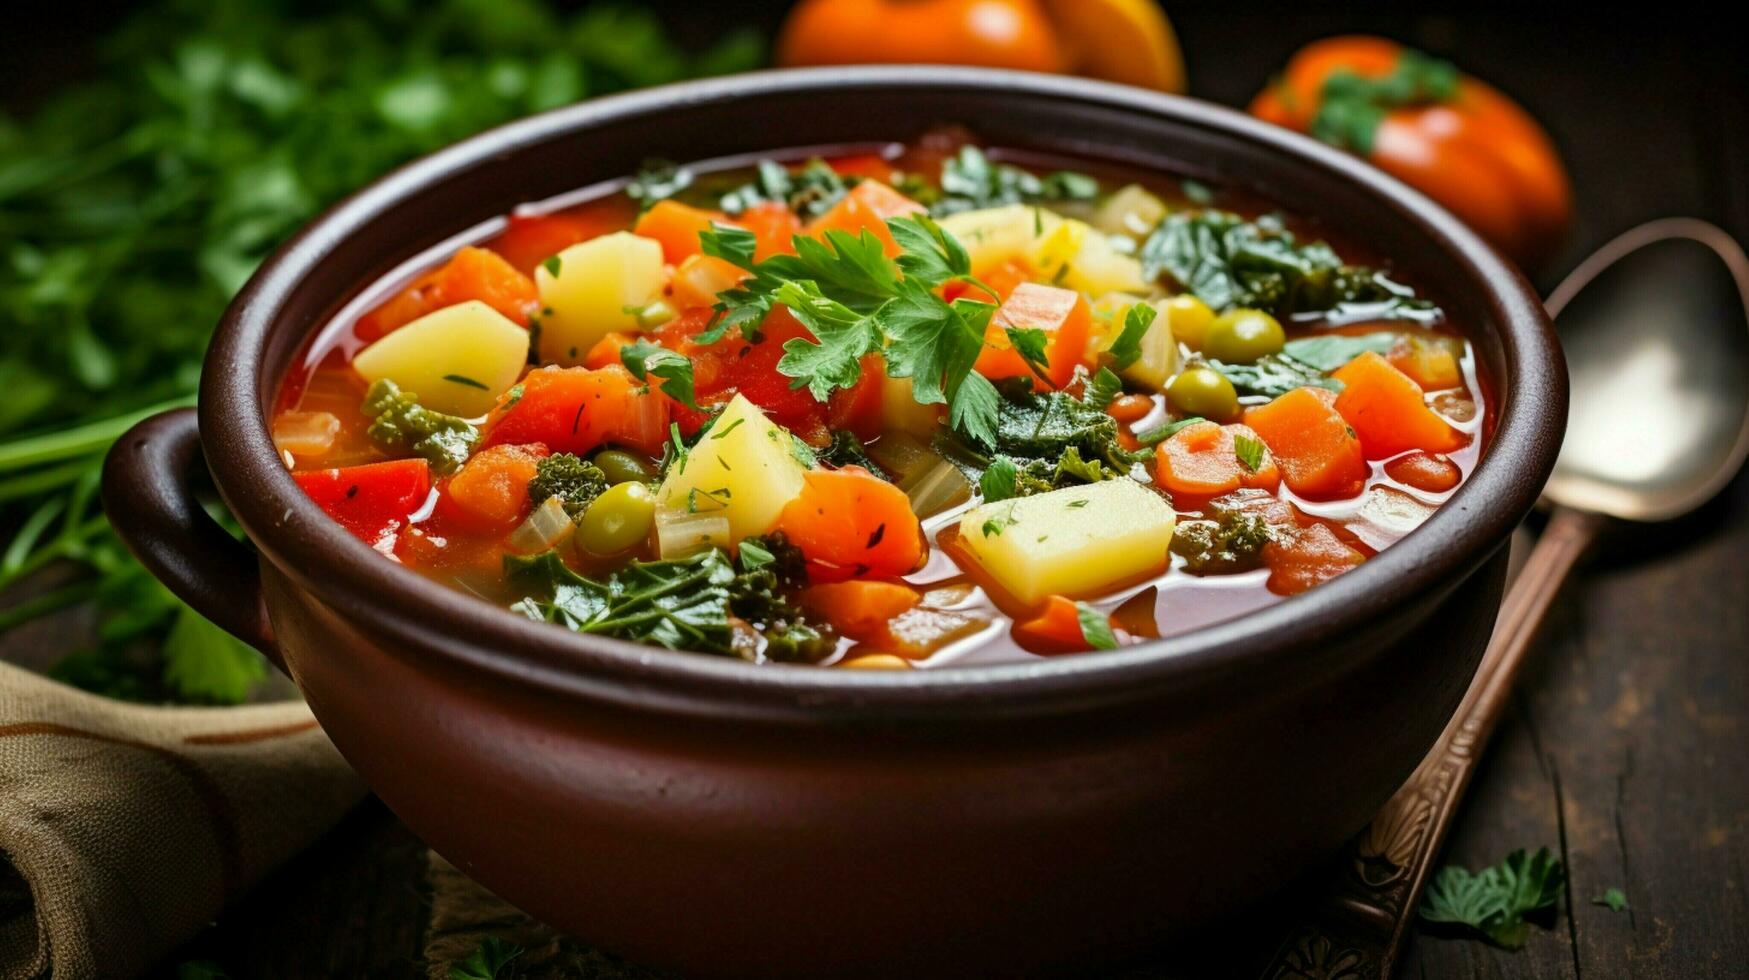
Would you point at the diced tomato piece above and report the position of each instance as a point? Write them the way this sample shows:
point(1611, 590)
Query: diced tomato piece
point(606, 350)
point(1319, 456)
point(1387, 410)
point(372, 501)
point(441, 543)
point(858, 408)
point(575, 409)
point(866, 208)
point(1308, 556)
point(530, 240)
point(1202, 460)
point(1061, 313)
point(677, 227)
point(860, 610)
point(473, 273)
point(851, 523)
point(774, 227)
point(490, 493)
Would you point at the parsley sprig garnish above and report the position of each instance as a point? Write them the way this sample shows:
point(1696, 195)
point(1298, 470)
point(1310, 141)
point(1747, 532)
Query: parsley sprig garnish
point(1495, 901)
point(856, 301)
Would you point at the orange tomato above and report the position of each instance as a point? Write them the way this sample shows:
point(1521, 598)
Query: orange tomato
point(992, 33)
point(1473, 149)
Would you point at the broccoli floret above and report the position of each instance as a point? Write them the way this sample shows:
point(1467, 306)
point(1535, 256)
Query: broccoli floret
point(574, 480)
point(399, 422)
point(771, 570)
point(1234, 543)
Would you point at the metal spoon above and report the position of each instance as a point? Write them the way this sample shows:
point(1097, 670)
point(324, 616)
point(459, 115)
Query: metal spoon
point(1654, 327)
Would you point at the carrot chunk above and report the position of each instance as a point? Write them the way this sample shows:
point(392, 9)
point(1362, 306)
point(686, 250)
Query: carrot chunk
point(1204, 460)
point(1056, 629)
point(473, 273)
point(866, 208)
point(677, 227)
point(774, 227)
point(372, 501)
point(1064, 317)
point(1318, 454)
point(490, 492)
point(860, 610)
point(851, 523)
point(1308, 556)
point(574, 410)
point(606, 350)
point(1431, 472)
point(1388, 412)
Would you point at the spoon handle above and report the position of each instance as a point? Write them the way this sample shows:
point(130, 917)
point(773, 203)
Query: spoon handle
point(1356, 920)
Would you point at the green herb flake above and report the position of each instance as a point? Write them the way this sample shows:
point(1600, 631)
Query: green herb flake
point(462, 379)
point(1613, 899)
point(1095, 627)
point(1250, 452)
point(644, 358)
point(552, 264)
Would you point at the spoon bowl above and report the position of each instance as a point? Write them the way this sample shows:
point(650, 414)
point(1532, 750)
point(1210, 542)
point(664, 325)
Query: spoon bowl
point(1653, 325)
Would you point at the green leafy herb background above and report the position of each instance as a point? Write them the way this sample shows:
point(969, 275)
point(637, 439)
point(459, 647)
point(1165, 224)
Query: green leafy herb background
point(136, 201)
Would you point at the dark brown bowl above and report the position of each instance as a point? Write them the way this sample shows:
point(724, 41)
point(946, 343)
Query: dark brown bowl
point(704, 814)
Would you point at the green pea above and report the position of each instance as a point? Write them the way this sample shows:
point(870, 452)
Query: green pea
point(1204, 392)
point(622, 467)
point(1243, 336)
point(619, 519)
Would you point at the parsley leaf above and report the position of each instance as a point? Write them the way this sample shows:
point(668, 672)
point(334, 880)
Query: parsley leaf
point(657, 180)
point(842, 337)
point(970, 180)
point(1127, 348)
point(1161, 433)
point(809, 192)
point(1495, 901)
point(644, 358)
point(1613, 899)
point(1102, 388)
point(1030, 343)
point(489, 961)
point(1095, 627)
point(1250, 452)
point(997, 483)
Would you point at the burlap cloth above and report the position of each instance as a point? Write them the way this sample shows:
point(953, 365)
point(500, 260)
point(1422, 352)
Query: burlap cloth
point(124, 828)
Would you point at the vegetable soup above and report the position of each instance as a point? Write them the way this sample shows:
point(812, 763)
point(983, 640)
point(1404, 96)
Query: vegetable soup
point(888, 407)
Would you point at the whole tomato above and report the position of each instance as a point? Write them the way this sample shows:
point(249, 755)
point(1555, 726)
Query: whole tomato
point(1454, 137)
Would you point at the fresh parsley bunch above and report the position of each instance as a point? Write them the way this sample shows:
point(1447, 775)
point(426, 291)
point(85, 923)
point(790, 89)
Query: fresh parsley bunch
point(856, 301)
point(133, 205)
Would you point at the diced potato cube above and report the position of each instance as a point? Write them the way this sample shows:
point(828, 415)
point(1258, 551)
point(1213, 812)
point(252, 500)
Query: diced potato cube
point(1098, 268)
point(458, 360)
point(745, 468)
point(1132, 211)
point(1159, 360)
point(587, 289)
point(900, 411)
point(992, 236)
point(1077, 541)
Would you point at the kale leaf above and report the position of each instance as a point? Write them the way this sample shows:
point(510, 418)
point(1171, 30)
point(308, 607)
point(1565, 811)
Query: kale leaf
point(682, 604)
point(1232, 543)
point(1230, 262)
point(399, 422)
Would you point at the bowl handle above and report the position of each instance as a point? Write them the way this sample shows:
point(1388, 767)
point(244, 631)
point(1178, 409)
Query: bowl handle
point(148, 494)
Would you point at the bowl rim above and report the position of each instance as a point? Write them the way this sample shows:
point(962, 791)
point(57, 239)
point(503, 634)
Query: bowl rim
point(417, 613)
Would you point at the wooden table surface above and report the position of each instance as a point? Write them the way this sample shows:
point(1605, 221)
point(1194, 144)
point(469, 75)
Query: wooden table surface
point(1628, 746)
